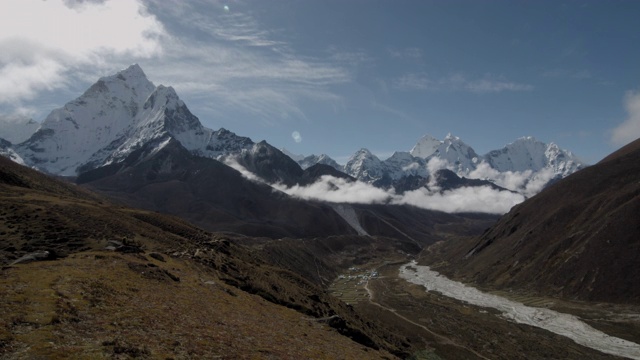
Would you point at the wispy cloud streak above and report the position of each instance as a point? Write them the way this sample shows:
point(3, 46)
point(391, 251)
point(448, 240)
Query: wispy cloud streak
point(457, 82)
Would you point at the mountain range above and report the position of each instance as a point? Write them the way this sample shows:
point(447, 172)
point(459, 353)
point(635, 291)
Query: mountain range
point(125, 112)
point(526, 155)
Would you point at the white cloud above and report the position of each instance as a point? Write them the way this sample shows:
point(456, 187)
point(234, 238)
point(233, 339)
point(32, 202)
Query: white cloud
point(570, 74)
point(224, 60)
point(410, 53)
point(526, 182)
point(232, 163)
point(23, 81)
point(629, 130)
point(60, 36)
point(495, 86)
point(458, 82)
point(230, 61)
point(337, 190)
point(414, 81)
point(466, 199)
point(436, 163)
point(82, 29)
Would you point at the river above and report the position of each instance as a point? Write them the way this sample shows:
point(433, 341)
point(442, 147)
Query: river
point(562, 324)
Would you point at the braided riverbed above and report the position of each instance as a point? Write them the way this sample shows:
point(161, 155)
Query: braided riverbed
point(559, 323)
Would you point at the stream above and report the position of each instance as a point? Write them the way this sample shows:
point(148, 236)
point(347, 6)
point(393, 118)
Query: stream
point(559, 323)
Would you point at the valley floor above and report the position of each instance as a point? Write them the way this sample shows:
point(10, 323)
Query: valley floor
point(451, 329)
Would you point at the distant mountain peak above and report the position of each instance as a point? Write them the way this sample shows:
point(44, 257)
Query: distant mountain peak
point(133, 72)
point(365, 166)
point(426, 146)
point(295, 157)
point(17, 128)
point(116, 116)
point(363, 152)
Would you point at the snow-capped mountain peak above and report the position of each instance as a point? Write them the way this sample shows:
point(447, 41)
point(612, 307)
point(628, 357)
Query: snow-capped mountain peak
point(426, 146)
point(309, 161)
point(525, 159)
point(402, 164)
point(459, 155)
point(114, 117)
point(69, 136)
point(527, 153)
point(365, 166)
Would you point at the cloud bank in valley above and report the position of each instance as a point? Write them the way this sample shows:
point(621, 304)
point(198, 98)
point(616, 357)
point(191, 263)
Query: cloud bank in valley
point(524, 182)
point(336, 190)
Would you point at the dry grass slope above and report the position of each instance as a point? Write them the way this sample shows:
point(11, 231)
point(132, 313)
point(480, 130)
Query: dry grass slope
point(171, 290)
point(94, 305)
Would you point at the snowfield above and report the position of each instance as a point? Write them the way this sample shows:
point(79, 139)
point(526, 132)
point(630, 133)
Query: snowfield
point(558, 323)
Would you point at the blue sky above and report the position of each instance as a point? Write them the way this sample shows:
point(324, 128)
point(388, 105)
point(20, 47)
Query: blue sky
point(347, 74)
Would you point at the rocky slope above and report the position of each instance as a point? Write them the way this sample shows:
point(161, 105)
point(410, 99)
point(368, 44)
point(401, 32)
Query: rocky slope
point(210, 194)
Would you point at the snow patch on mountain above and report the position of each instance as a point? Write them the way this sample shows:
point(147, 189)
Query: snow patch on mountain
point(7, 151)
point(426, 146)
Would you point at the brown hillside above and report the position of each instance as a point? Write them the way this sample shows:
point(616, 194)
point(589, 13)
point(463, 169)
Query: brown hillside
point(85, 278)
point(579, 238)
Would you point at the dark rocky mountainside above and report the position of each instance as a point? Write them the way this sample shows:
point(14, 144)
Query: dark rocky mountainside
point(317, 171)
point(216, 197)
point(210, 194)
point(443, 179)
point(579, 238)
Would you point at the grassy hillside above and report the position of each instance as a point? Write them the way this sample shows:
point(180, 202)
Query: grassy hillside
point(111, 281)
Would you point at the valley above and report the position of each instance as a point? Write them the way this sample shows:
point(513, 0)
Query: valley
point(130, 230)
point(453, 328)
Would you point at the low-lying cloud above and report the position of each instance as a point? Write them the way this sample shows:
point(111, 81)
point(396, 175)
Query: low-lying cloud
point(523, 182)
point(337, 190)
point(483, 199)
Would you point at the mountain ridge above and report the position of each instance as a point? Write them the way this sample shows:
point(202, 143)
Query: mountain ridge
point(121, 113)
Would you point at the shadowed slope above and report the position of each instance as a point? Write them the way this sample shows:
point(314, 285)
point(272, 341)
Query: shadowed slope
point(579, 238)
point(211, 194)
